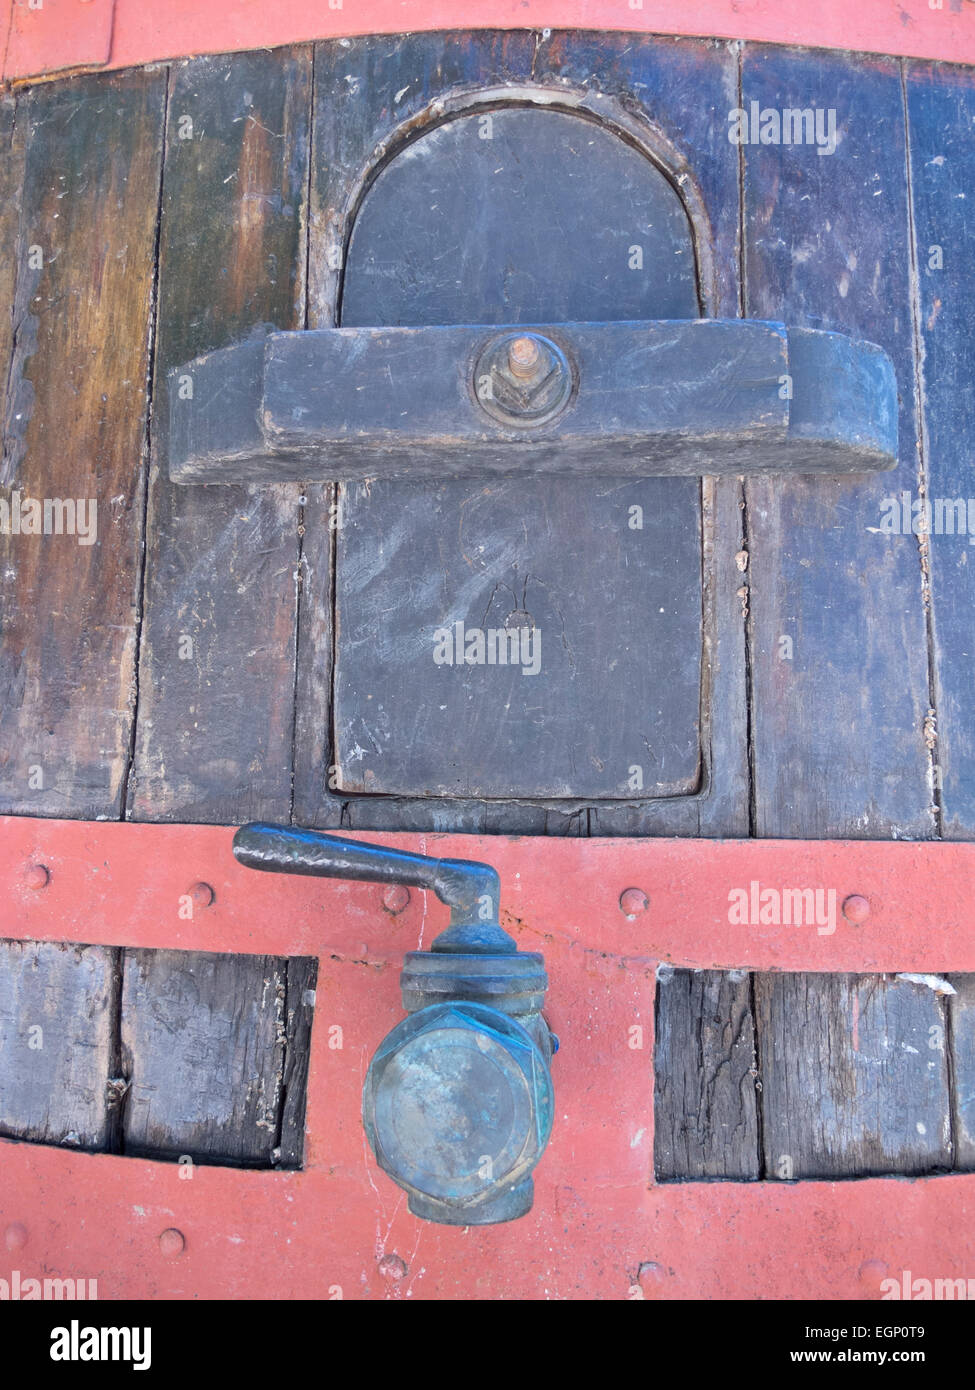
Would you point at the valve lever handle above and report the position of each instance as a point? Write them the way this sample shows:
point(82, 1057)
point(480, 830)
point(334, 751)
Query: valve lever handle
point(470, 889)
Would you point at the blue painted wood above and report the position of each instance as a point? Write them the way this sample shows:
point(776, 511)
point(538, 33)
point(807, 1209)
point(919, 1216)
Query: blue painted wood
point(838, 635)
point(941, 110)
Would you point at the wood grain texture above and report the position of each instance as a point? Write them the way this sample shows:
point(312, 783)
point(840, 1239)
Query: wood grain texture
point(205, 1042)
point(705, 1098)
point(839, 729)
point(961, 1036)
point(214, 732)
point(854, 1077)
point(56, 1042)
point(11, 186)
point(941, 113)
point(74, 428)
point(684, 87)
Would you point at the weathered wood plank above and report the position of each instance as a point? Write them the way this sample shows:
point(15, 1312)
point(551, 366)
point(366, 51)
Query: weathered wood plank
point(204, 1041)
point(961, 1036)
point(56, 1042)
point(425, 298)
point(705, 1098)
point(12, 144)
point(854, 1077)
point(941, 111)
point(679, 85)
point(302, 977)
point(74, 440)
point(838, 637)
point(216, 670)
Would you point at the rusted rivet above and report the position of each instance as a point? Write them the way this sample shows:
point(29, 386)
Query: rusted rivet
point(633, 900)
point(395, 898)
point(872, 1273)
point(202, 894)
point(392, 1267)
point(650, 1276)
point(856, 908)
point(15, 1236)
point(172, 1242)
point(37, 876)
point(523, 356)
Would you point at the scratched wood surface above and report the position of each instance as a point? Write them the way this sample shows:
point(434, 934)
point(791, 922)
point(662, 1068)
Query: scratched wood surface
point(202, 690)
point(76, 407)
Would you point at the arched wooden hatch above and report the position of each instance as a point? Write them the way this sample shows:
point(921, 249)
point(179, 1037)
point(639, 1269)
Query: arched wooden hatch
point(588, 590)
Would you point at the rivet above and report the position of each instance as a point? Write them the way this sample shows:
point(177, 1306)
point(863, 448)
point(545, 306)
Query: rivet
point(650, 1275)
point(633, 900)
point(395, 898)
point(871, 1273)
point(15, 1236)
point(202, 894)
point(172, 1242)
point(856, 908)
point(392, 1267)
point(37, 876)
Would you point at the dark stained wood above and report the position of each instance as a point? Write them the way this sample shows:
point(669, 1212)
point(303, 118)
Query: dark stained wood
point(705, 1098)
point(215, 724)
point(11, 183)
point(528, 282)
point(679, 85)
point(851, 1083)
point(838, 729)
point(205, 1043)
point(961, 1040)
point(74, 428)
point(302, 977)
point(56, 1042)
point(941, 111)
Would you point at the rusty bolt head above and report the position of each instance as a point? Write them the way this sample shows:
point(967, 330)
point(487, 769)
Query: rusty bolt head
point(15, 1236)
point(202, 894)
point(633, 900)
point(856, 908)
point(37, 876)
point(172, 1242)
point(396, 898)
point(392, 1267)
point(523, 356)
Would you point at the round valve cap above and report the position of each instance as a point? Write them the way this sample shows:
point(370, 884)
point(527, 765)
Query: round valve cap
point(457, 1107)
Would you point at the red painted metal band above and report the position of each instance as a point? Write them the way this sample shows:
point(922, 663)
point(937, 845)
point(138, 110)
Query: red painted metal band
point(122, 884)
point(50, 35)
point(600, 1227)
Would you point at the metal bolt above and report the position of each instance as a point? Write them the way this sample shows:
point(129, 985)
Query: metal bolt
point(392, 1267)
point(396, 898)
point(172, 1242)
point(633, 900)
point(523, 357)
point(15, 1236)
point(856, 908)
point(202, 894)
point(37, 876)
